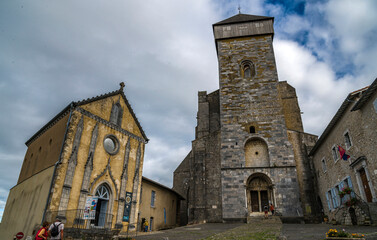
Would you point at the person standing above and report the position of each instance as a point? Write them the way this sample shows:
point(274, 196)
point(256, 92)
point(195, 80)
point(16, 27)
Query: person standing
point(265, 211)
point(56, 230)
point(272, 209)
point(42, 233)
point(146, 226)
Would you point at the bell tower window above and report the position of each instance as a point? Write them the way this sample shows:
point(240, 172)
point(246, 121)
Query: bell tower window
point(247, 69)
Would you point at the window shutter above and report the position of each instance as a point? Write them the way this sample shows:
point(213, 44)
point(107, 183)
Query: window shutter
point(328, 201)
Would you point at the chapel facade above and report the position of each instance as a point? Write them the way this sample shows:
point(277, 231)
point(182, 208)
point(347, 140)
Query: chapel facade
point(93, 149)
point(250, 149)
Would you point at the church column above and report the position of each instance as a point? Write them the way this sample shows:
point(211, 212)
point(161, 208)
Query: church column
point(72, 162)
point(133, 218)
point(123, 185)
point(88, 169)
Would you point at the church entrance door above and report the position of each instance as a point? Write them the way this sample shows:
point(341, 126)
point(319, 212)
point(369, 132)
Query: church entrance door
point(101, 211)
point(254, 201)
point(260, 192)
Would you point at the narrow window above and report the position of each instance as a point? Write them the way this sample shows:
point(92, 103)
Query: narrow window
point(247, 72)
point(164, 215)
point(328, 198)
point(153, 198)
point(252, 129)
point(116, 114)
point(334, 153)
point(347, 140)
point(247, 69)
point(337, 196)
point(324, 165)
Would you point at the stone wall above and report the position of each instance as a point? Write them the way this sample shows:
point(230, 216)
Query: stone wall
point(254, 101)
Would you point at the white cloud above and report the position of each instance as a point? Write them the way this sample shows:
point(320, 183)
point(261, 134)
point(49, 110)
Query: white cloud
point(162, 158)
point(319, 92)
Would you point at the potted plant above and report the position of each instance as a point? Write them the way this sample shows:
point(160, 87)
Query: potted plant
point(343, 235)
point(351, 202)
point(333, 221)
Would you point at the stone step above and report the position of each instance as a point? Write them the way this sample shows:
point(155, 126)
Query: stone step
point(373, 212)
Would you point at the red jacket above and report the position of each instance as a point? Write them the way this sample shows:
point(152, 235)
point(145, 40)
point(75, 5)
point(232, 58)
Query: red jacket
point(44, 234)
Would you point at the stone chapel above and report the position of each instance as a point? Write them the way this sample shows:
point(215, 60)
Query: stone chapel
point(92, 149)
point(250, 149)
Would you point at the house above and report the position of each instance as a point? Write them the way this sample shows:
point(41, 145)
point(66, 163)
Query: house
point(159, 205)
point(345, 160)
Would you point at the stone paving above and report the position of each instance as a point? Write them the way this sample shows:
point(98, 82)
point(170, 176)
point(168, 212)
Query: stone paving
point(261, 229)
point(318, 231)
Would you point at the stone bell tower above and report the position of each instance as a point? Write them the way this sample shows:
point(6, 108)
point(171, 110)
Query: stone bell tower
point(256, 157)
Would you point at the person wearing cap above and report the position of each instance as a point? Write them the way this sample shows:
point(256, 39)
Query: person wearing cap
point(60, 225)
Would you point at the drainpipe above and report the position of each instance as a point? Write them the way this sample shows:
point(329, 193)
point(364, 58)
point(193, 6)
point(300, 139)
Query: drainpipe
point(58, 162)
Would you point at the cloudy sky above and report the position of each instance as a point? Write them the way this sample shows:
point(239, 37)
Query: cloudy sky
point(55, 52)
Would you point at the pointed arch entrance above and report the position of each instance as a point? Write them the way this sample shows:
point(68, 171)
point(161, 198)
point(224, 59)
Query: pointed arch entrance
point(259, 191)
point(103, 205)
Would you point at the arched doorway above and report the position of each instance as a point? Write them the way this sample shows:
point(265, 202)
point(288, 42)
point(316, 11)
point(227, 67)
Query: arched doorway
point(103, 194)
point(259, 191)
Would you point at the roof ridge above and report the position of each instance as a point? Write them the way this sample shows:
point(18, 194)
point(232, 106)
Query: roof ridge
point(240, 17)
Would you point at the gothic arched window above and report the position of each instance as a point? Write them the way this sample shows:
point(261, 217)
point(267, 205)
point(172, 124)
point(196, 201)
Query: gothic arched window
point(247, 69)
point(116, 114)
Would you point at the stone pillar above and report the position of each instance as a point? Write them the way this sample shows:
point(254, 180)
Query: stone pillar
point(123, 185)
point(72, 162)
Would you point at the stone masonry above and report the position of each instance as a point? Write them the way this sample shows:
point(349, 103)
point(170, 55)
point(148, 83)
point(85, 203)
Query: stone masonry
point(250, 149)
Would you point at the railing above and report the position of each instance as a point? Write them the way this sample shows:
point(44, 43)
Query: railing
point(349, 200)
point(77, 218)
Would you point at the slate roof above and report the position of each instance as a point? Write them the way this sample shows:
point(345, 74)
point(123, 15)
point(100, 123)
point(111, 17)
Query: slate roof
point(163, 186)
point(239, 18)
point(368, 94)
point(339, 114)
point(72, 105)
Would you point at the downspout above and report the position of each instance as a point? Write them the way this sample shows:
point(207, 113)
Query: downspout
point(58, 162)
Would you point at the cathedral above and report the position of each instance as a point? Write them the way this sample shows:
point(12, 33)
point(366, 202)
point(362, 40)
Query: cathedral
point(250, 149)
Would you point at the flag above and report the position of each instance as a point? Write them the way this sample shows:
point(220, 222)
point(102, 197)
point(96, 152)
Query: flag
point(343, 154)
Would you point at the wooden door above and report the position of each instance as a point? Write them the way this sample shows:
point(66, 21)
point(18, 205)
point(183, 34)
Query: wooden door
point(254, 201)
point(365, 183)
point(264, 199)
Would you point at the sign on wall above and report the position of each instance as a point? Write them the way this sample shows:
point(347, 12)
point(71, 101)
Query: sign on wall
point(127, 207)
point(90, 207)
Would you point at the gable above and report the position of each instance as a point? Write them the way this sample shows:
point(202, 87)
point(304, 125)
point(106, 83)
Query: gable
point(115, 106)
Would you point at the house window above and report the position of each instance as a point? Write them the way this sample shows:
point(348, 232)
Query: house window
point(347, 140)
point(328, 198)
point(334, 153)
point(324, 165)
point(252, 129)
point(153, 198)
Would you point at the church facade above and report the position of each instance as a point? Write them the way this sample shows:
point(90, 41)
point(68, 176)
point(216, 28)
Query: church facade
point(84, 166)
point(250, 149)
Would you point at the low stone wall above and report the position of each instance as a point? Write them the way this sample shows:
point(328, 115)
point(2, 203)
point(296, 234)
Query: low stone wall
point(89, 234)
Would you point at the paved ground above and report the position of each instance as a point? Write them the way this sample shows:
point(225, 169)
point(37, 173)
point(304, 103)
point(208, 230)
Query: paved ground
point(265, 229)
point(318, 231)
point(192, 232)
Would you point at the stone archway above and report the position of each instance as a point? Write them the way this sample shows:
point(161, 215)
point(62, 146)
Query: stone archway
point(259, 192)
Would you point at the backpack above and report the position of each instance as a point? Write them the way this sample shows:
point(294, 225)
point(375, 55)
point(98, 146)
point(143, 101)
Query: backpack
point(55, 230)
